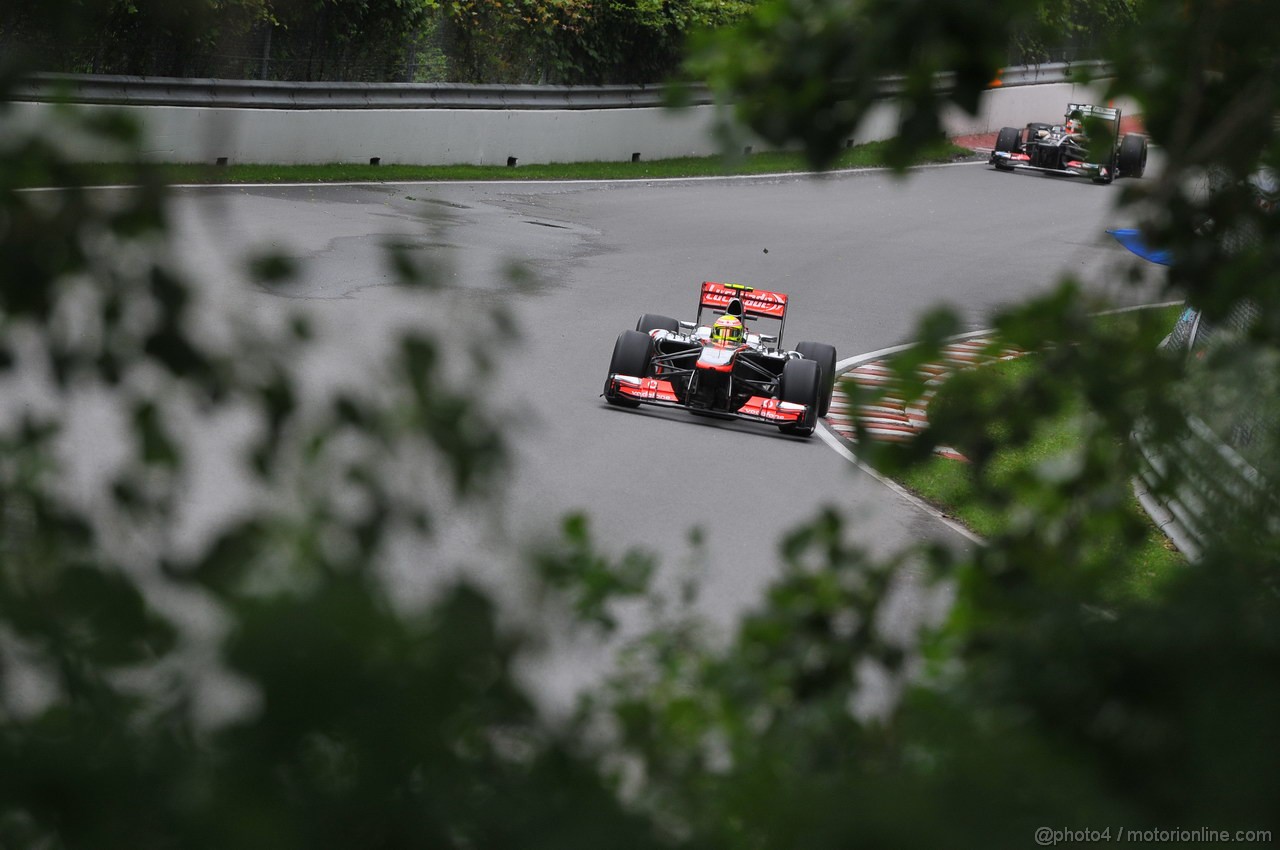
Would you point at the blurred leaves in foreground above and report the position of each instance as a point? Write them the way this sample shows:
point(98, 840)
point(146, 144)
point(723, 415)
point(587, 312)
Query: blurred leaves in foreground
point(259, 685)
point(171, 678)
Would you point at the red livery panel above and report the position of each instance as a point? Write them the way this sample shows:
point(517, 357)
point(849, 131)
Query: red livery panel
point(658, 391)
point(755, 302)
point(773, 410)
point(645, 389)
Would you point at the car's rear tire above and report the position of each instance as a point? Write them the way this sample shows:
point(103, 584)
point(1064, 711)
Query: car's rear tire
point(654, 322)
point(1132, 160)
point(632, 354)
point(825, 356)
point(801, 383)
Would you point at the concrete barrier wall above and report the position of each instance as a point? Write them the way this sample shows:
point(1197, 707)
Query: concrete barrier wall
point(490, 136)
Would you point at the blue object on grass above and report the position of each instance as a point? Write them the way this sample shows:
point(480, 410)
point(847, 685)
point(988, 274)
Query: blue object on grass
point(1132, 239)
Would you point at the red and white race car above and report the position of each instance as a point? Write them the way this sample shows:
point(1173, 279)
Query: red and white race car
point(724, 368)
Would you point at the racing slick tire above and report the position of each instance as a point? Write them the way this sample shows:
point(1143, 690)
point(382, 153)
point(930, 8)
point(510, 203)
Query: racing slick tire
point(1132, 160)
point(1006, 142)
point(631, 355)
point(801, 383)
point(825, 356)
point(654, 322)
point(1109, 171)
point(1007, 139)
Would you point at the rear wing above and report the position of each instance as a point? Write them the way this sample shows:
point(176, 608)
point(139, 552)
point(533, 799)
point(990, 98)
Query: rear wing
point(1085, 110)
point(756, 303)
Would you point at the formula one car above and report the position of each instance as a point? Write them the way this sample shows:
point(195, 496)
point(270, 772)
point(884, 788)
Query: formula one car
point(1101, 154)
point(724, 368)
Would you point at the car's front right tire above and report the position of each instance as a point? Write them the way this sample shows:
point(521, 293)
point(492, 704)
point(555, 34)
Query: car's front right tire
point(1007, 140)
point(632, 354)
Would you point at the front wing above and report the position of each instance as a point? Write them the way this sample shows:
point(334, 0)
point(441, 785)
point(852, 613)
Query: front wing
point(1020, 162)
point(662, 393)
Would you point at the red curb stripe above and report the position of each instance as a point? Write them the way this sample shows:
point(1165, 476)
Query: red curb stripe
point(882, 410)
point(888, 436)
point(878, 426)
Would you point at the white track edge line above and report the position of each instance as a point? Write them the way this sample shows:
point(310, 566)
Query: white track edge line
point(841, 449)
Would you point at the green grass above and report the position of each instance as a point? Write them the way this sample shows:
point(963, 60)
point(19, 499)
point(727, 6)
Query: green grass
point(949, 484)
point(869, 155)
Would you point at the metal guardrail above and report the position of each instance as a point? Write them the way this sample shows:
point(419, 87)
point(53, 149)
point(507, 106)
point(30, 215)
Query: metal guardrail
point(1186, 486)
point(1053, 72)
point(1177, 487)
point(257, 94)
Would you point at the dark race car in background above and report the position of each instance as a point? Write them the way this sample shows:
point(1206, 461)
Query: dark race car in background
point(1088, 144)
point(677, 364)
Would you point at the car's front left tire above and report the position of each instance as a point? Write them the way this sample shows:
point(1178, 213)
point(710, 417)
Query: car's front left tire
point(1132, 160)
point(825, 356)
point(801, 383)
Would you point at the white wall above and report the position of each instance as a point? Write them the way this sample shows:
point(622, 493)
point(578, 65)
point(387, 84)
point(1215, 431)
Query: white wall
point(489, 136)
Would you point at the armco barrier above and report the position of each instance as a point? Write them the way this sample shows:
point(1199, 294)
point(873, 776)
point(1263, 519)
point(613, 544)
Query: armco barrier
point(1185, 486)
point(259, 94)
point(1178, 484)
point(442, 124)
point(256, 94)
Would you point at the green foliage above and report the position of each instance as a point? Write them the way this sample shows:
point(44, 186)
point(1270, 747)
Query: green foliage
point(1050, 695)
point(1025, 455)
point(809, 72)
point(257, 686)
point(370, 40)
point(289, 39)
point(480, 41)
point(591, 582)
point(510, 41)
point(576, 41)
point(1065, 30)
point(128, 36)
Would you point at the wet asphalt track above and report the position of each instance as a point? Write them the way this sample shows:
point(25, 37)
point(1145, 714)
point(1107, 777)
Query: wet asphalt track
point(861, 254)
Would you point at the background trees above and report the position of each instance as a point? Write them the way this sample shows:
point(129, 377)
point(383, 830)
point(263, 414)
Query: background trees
point(474, 41)
point(134, 36)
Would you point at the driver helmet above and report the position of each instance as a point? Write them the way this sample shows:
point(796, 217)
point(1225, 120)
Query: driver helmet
point(1074, 125)
point(728, 329)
